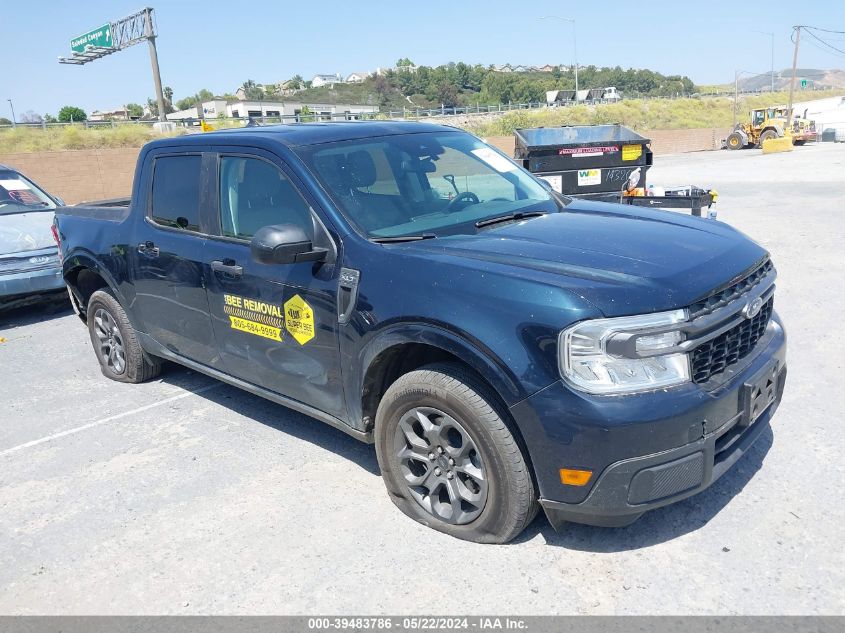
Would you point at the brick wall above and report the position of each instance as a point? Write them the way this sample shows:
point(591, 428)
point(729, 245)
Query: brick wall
point(79, 175)
point(662, 141)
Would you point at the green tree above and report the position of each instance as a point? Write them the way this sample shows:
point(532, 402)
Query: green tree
point(49, 118)
point(252, 91)
point(70, 114)
point(135, 110)
point(5, 121)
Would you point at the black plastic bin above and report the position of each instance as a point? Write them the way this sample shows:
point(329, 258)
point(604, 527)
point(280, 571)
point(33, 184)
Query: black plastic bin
point(584, 160)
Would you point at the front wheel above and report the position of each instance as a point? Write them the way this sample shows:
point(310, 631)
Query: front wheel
point(735, 141)
point(448, 458)
point(115, 344)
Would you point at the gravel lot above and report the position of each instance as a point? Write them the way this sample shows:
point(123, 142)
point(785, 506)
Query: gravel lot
point(186, 496)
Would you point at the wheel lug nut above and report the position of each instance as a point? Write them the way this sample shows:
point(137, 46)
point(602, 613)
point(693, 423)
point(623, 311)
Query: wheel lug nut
point(440, 449)
point(451, 462)
point(438, 472)
point(450, 475)
point(431, 456)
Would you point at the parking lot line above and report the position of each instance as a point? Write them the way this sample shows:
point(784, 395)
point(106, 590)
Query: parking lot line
point(111, 418)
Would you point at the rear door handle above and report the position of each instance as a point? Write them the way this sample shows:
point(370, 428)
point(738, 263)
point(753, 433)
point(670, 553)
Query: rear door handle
point(148, 248)
point(228, 268)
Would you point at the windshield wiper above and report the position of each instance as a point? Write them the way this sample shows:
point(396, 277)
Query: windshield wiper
point(510, 217)
point(403, 238)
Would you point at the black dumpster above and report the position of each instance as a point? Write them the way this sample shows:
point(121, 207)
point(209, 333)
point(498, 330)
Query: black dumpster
point(590, 161)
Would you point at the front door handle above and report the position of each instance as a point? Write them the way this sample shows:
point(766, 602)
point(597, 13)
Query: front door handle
point(228, 268)
point(148, 248)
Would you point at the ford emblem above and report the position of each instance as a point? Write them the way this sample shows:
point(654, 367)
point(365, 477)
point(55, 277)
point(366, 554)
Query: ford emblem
point(752, 308)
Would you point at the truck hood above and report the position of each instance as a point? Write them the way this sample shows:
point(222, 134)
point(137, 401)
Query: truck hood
point(623, 260)
point(22, 232)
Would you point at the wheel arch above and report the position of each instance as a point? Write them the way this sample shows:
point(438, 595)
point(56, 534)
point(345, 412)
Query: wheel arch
point(84, 276)
point(407, 347)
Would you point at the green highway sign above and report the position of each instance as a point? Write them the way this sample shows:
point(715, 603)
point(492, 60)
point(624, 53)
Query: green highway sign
point(803, 83)
point(100, 38)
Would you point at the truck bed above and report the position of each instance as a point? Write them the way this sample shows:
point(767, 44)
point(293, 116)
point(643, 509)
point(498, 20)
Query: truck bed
point(112, 210)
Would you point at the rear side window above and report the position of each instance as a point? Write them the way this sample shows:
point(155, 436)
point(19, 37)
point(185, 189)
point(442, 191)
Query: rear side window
point(176, 192)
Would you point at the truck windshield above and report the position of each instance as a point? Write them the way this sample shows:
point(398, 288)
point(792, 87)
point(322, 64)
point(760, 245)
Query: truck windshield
point(435, 184)
point(19, 195)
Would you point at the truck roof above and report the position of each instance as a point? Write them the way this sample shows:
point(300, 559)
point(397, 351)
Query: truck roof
point(298, 134)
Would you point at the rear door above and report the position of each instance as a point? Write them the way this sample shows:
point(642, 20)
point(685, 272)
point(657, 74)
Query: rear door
point(276, 325)
point(168, 256)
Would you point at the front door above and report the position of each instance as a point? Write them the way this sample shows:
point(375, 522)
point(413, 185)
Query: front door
point(276, 325)
point(170, 301)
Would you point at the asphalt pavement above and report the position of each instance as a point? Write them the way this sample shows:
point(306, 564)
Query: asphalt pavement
point(187, 496)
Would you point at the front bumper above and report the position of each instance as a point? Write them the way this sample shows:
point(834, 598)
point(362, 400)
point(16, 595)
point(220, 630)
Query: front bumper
point(21, 285)
point(647, 450)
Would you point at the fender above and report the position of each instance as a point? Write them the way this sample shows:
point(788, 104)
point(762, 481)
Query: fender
point(82, 258)
point(477, 356)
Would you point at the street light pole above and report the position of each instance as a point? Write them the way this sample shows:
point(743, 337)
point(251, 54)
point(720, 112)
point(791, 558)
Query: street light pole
point(13, 111)
point(574, 44)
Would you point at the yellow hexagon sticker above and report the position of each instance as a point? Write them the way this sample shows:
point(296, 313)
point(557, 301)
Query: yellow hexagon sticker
point(299, 319)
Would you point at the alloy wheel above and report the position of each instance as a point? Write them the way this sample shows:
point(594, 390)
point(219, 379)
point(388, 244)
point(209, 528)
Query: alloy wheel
point(110, 341)
point(441, 465)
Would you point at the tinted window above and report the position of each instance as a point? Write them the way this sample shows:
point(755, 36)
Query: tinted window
point(406, 184)
point(176, 192)
point(255, 194)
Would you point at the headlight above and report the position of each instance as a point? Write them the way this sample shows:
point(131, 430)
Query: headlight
point(625, 354)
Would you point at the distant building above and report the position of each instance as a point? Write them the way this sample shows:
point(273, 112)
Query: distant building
point(548, 68)
point(326, 80)
point(504, 68)
point(119, 114)
point(290, 110)
point(287, 88)
point(356, 78)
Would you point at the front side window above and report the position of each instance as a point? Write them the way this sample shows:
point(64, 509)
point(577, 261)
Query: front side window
point(20, 195)
point(255, 194)
point(176, 192)
point(435, 183)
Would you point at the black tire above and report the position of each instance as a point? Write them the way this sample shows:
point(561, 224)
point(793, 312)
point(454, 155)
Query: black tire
point(798, 142)
point(111, 332)
point(510, 498)
point(767, 135)
point(734, 141)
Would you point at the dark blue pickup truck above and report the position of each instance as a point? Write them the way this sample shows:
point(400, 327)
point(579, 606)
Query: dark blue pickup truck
point(503, 346)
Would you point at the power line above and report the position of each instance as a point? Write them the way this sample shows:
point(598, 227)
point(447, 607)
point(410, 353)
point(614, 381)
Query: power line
point(829, 45)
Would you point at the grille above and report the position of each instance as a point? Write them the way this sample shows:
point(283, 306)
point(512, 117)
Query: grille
point(723, 297)
point(714, 356)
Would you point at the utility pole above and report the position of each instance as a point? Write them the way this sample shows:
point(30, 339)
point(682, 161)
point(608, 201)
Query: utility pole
point(792, 83)
point(151, 39)
point(11, 105)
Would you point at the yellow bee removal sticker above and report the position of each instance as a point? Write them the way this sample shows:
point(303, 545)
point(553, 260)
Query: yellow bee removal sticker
point(299, 319)
point(254, 317)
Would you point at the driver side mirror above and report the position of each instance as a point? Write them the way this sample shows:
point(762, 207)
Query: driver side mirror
point(284, 244)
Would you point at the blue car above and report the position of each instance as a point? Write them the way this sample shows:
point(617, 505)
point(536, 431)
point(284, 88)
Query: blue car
point(29, 257)
point(504, 347)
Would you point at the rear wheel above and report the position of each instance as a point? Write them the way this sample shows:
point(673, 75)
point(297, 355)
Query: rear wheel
point(115, 344)
point(798, 141)
point(449, 460)
point(735, 141)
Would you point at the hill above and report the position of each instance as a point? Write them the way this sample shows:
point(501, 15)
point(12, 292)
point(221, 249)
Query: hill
point(816, 79)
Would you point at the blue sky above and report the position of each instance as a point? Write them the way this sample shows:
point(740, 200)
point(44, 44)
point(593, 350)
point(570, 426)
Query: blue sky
point(212, 45)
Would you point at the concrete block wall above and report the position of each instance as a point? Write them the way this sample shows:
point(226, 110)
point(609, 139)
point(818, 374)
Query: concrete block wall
point(79, 175)
point(662, 141)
